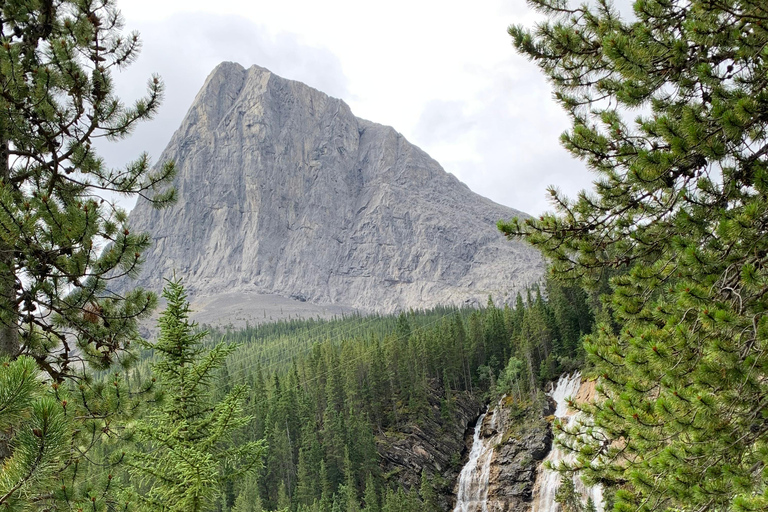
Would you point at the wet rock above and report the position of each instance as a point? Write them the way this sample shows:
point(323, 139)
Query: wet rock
point(524, 439)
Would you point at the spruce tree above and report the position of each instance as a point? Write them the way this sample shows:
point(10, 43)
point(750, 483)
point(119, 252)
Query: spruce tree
point(188, 453)
point(427, 493)
point(567, 497)
point(677, 224)
point(62, 236)
point(370, 497)
point(248, 500)
point(305, 480)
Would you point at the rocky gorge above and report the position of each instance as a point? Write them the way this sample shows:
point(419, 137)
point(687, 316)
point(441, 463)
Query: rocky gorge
point(431, 444)
point(507, 472)
point(512, 440)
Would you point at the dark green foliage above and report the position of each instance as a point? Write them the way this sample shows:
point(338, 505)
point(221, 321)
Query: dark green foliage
point(545, 338)
point(321, 408)
point(676, 227)
point(188, 452)
point(427, 494)
point(248, 500)
point(371, 497)
point(60, 243)
point(567, 497)
point(401, 501)
point(78, 431)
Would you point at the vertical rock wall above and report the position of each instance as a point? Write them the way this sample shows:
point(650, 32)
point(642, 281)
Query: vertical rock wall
point(519, 439)
point(525, 438)
point(431, 442)
point(282, 190)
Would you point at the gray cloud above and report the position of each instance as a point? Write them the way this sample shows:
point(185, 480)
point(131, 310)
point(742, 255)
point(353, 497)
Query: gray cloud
point(443, 122)
point(515, 136)
point(185, 48)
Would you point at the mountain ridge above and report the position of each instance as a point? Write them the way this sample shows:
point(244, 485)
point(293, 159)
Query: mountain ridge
point(282, 190)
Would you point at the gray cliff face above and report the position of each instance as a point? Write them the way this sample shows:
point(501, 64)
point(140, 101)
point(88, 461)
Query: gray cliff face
point(526, 439)
point(282, 190)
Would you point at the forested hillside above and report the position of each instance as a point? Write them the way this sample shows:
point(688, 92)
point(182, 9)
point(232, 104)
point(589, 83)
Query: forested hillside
point(330, 396)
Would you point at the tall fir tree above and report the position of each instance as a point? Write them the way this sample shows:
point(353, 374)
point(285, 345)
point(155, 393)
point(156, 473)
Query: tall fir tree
point(677, 222)
point(567, 497)
point(370, 497)
point(427, 494)
point(248, 500)
point(187, 451)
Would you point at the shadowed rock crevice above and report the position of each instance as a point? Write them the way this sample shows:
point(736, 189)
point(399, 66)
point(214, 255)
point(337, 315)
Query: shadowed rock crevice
point(433, 442)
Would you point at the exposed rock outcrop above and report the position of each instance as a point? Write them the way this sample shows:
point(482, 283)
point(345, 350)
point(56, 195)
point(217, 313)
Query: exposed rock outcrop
point(525, 439)
point(510, 441)
point(282, 190)
point(432, 442)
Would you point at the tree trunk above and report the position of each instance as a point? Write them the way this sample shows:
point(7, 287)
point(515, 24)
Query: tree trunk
point(9, 332)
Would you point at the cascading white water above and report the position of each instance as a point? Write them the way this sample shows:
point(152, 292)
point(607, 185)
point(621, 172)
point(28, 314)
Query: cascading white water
point(472, 495)
point(548, 481)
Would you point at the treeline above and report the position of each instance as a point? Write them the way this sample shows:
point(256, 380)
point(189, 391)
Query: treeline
point(321, 391)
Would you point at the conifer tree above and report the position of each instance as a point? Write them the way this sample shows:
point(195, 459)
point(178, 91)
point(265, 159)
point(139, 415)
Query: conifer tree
point(677, 222)
point(187, 442)
point(62, 238)
point(326, 493)
point(393, 501)
point(283, 500)
point(61, 242)
point(248, 500)
point(370, 497)
point(567, 497)
point(41, 433)
point(427, 493)
point(305, 480)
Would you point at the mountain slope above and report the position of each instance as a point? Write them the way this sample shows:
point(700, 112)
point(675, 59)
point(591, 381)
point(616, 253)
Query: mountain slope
point(282, 190)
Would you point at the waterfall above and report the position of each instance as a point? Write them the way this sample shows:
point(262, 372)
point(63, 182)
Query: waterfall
point(548, 481)
point(472, 494)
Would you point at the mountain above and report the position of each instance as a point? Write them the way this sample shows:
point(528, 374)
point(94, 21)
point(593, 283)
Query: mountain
point(285, 195)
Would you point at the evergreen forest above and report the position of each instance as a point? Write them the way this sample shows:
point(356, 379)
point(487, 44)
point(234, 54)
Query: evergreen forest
point(325, 395)
point(657, 288)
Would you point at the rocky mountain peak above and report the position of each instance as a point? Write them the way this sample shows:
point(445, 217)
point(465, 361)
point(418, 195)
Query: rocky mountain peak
point(283, 191)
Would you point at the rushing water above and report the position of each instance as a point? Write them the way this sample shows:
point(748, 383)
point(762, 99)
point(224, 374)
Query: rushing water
point(472, 493)
point(548, 481)
point(473, 479)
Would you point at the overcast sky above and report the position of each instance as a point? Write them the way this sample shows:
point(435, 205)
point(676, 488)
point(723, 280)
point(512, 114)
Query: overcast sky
point(442, 73)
